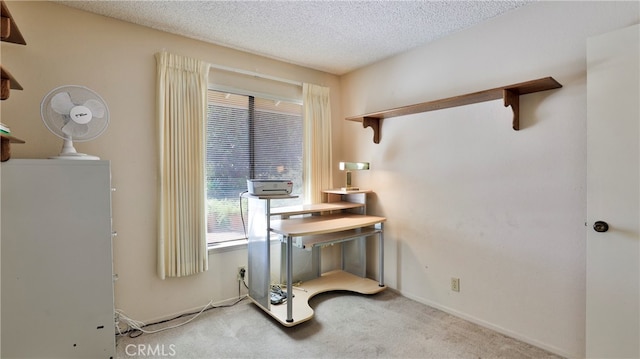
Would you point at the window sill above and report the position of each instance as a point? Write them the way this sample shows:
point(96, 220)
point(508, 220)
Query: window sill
point(236, 245)
point(227, 246)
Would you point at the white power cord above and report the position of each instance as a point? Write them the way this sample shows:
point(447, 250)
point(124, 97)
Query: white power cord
point(138, 325)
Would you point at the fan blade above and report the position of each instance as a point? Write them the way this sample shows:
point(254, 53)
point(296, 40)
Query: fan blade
point(97, 108)
point(61, 103)
point(74, 130)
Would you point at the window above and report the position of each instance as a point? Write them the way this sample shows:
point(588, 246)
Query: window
point(248, 137)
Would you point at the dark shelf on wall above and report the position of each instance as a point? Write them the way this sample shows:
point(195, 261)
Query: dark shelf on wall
point(8, 83)
point(9, 32)
point(510, 94)
point(5, 145)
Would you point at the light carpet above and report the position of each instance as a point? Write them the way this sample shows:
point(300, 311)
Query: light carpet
point(345, 325)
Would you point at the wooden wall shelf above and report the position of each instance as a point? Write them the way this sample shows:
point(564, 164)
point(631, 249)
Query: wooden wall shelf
point(7, 83)
point(9, 30)
point(5, 147)
point(8, 33)
point(510, 94)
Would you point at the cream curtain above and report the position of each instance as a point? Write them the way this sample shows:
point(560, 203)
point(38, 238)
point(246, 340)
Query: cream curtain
point(317, 141)
point(182, 111)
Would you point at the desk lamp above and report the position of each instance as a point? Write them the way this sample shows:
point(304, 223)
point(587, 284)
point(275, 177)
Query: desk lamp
point(351, 166)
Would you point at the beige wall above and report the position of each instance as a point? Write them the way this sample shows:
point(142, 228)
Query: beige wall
point(468, 197)
point(116, 59)
point(465, 195)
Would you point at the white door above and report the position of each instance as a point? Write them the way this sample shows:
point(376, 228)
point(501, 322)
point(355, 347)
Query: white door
point(613, 186)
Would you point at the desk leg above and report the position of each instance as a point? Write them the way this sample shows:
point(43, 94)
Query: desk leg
point(381, 254)
point(289, 279)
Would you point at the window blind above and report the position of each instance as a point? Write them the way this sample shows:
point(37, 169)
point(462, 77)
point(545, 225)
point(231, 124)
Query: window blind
point(248, 138)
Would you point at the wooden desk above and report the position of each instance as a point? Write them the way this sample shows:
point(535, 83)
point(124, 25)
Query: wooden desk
point(331, 223)
point(313, 226)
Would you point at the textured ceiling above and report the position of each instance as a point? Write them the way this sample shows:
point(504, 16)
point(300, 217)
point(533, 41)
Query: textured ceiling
point(332, 36)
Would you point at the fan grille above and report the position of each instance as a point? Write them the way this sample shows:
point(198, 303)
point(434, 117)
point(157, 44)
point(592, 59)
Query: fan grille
point(79, 95)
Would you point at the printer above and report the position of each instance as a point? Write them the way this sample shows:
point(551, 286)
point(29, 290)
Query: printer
point(265, 187)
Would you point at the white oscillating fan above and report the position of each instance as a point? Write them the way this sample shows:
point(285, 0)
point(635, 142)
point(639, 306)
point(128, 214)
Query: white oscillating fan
point(74, 113)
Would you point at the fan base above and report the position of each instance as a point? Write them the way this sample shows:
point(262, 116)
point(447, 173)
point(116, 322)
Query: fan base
point(74, 156)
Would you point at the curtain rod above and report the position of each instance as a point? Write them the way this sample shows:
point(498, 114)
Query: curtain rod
point(256, 74)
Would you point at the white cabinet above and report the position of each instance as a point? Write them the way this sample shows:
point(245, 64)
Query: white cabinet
point(57, 272)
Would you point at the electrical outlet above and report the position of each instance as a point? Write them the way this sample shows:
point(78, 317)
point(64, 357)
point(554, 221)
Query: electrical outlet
point(455, 284)
point(242, 272)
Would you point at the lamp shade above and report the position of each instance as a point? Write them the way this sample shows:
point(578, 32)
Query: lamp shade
point(354, 166)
